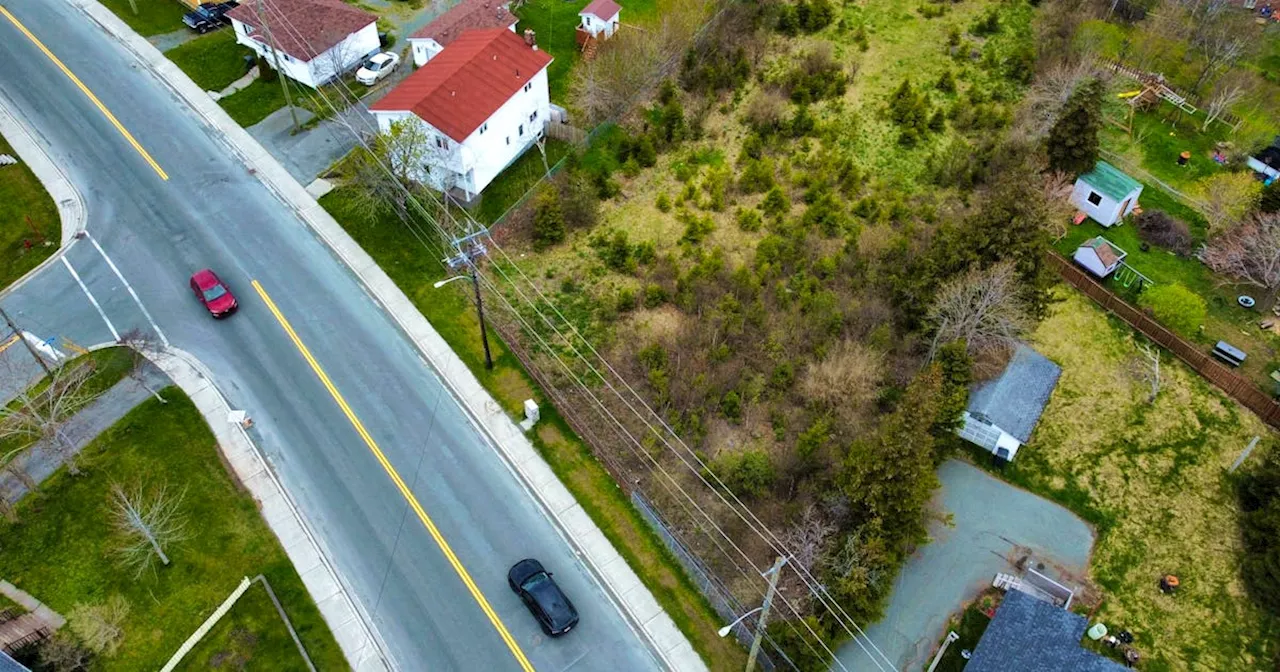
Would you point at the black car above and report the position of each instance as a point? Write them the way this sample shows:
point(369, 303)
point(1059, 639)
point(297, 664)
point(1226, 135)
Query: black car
point(208, 16)
point(534, 585)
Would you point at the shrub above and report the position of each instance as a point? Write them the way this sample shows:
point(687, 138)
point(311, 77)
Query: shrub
point(909, 110)
point(788, 23)
point(757, 176)
point(731, 406)
point(1270, 199)
point(1158, 228)
point(616, 252)
point(1259, 495)
point(578, 201)
point(548, 219)
point(987, 24)
point(626, 300)
point(818, 76)
point(654, 295)
point(748, 220)
point(938, 121)
point(775, 203)
point(764, 113)
point(749, 473)
point(664, 203)
point(1175, 307)
point(715, 184)
point(802, 123)
point(947, 82)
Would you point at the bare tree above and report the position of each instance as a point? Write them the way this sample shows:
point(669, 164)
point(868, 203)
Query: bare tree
point(143, 347)
point(1145, 367)
point(391, 173)
point(1226, 199)
point(983, 308)
point(1221, 37)
point(845, 380)
point(100, 626)
point(1249, 253)
point(1043, 101)
point(41, 413)
point(1230, 89)
point(64, 654)
point(807, 538)
point(1056, 186)
point(146, 522)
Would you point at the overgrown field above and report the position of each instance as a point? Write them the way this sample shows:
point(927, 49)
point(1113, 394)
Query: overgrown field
point(1152, 478)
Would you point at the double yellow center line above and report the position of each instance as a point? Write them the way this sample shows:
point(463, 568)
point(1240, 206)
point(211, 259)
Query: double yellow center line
point(399, 482)
point(92, 98)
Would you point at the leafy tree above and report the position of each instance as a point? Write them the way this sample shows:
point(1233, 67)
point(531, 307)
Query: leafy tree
point(748, 473)
point(1073, 140)
point(1175, 307)
point(548, 219)
point(795, 640)
point(1259, 496)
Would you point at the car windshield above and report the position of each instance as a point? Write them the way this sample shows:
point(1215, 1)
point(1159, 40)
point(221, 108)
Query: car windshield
point(214, 293)
point(372, 65)
point(532, 583)
point(204, 13)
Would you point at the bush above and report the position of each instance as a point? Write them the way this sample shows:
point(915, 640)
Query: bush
point(1259, 495)
point(664, 203)
point(1176, 307)
point(749, 473)
point(818, 76)
point(757, 176)
point(986, 25)
point(1159, 228)
point(748, 220)
point(548, 219)
point(626, 300)
point(731, 406)
point(764, 115)
point(775, 203)
point(578, 201)
point(947, 82)
point(617, 252)
point(909, 110)
point(1270, 199)
point(654, 295)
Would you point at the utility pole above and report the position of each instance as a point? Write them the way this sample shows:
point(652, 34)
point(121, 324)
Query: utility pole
point(773, 575)
point(469, 248)
point(275, 52)
point(39, 360)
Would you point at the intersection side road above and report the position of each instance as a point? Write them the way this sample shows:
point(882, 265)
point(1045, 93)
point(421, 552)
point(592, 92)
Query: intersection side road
point(212, 213)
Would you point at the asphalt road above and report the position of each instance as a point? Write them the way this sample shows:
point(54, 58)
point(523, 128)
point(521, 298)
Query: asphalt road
point(212, 213)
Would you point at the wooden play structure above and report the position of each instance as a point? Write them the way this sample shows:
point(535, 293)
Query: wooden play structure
point(1153, 90)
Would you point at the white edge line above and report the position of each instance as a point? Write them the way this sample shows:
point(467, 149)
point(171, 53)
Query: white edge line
point(115, 334)
point(163, 339)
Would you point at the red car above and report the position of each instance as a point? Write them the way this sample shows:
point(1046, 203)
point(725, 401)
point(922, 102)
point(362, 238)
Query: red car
point(213, 293)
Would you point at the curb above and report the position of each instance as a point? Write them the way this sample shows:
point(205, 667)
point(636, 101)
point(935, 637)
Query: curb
point(340, 612)
point(612, 573)
point(70, 205)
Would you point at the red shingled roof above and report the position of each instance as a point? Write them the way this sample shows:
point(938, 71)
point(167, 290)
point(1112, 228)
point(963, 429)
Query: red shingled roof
point(467, 15)
point(467, 82)
point(605, 9)
point(303, 29)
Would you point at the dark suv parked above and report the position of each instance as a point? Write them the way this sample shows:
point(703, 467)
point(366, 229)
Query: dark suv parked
point(208, 16)
point(534, 585)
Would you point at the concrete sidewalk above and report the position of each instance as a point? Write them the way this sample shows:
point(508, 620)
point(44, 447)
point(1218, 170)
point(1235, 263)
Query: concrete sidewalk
point(624, 587)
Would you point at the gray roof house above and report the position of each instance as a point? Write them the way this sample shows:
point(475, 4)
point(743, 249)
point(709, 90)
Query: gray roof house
point(1003, 411)
point(1030, 635)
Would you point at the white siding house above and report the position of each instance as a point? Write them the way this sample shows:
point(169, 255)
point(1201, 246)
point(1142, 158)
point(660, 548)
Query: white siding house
point(1004, 411)
point(600, 19)
point(1099, 256)
point(432, 38)
point(482, 101)
point(317, 40)
point(1106, 194)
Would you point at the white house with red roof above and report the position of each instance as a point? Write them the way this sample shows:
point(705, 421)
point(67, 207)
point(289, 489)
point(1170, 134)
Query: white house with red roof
point(600, 19)
point(317, 40)
point(482, 102)
point(432, 38)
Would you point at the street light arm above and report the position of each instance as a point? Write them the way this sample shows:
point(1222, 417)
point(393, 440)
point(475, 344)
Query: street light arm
point(446, 281)
point(728, 628)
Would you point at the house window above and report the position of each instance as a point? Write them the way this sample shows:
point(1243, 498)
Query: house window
point(508, 139)
point(533, 116)
point(440, 142)
point(522, 130)
point(1095, 198)
point(528, 85)
point(484, 127)
point(248, 29)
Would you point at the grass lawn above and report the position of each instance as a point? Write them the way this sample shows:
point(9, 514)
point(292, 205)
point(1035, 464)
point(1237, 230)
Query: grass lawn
point(414, 269)
point(211, 61)
point(251, 632)
point(1225, 319)
point(1152, 479)
point(507, 189)
point(23, 198)
point(61, 550)
point(1159, 136)
point(970, 625)
point(154, 17)
point(255, 102)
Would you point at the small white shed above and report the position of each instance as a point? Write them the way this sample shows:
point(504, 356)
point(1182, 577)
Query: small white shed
point(1106, 194)
point(600, 18)
point(1099, 256)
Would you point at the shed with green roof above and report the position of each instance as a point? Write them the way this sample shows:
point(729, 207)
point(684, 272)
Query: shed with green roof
point(1106, 194)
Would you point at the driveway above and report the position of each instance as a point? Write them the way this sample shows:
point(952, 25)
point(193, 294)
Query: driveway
point(990, 519)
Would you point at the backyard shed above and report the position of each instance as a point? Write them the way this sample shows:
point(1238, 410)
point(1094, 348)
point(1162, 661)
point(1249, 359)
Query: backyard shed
point(1106, 194)
point(1099, 256)
point(1029, 635)
point(1004, 411)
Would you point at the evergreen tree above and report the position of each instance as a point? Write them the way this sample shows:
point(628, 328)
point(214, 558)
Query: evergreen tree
point(1073, 140)
point(548, 219)
point(947, 82)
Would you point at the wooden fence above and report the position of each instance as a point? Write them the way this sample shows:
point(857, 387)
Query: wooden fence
point(1236, 386)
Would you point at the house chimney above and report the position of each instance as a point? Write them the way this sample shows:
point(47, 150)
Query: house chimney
point(530, 38)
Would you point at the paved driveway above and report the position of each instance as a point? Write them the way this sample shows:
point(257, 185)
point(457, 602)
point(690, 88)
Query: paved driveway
point(990, 518)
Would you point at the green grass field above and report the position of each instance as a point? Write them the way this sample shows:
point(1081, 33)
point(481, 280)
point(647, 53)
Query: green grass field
point(452, 314)
point(154, 17)
point(250, 636)
point(211, 61)
point(254, 103)
point(61, 552)
point(1152, 479)
point(28, 220)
